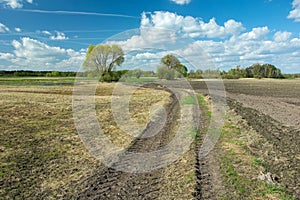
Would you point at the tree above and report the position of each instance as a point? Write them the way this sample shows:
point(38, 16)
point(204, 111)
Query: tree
point(181, 69)
point(103, 58)
point(170, 61)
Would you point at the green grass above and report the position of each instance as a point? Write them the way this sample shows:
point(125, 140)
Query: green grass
point(139, 80)
point(258, 162)
point(202, 102)
point(240, 169)
point(194, 133)
point(41, 81)
point(188, 100)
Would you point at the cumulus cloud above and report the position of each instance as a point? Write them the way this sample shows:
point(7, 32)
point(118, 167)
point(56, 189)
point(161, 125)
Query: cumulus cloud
point(190, 26)
point(14, 3)
point(32, 54)
point(282, 36)
point(160, 28)
point(3, 28)
point(6, 56)
point(58, 36)
point(181, 2)
point(202, 43)
point(255, 34)
point(295, 13)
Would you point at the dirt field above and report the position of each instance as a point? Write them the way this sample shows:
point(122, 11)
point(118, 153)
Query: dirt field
point(266, 116)
point(256, 157)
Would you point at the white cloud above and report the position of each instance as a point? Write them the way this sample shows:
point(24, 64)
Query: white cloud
point(282, 36)
point(256, 33)
point(203, 43)
point(14, 3)
point(190, 26)
point(3, 28)
point(35, 55)
point(18, 29)
point(295, 13)
point(181, 2)
point(6, 56)
point(46, 32)
point(58, 36)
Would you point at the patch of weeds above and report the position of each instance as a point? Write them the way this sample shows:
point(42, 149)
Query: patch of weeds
point(233, 178)
point(202, 102)
point(281, 192)
point(194, 133)
point(189, 179)
point(230, 130)
point(188, 100)
point(240, 169)
point(259, 162)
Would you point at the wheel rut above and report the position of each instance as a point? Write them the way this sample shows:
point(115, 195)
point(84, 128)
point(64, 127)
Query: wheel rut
point(108, 183)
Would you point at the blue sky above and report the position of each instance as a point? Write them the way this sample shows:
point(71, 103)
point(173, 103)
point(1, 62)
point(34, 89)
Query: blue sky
point(54, 34)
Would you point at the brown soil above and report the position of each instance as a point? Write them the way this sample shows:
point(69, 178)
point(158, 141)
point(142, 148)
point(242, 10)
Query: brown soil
point(271, 108)
point(108, 183)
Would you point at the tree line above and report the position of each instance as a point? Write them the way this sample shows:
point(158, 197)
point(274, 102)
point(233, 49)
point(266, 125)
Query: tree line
point(30, 73)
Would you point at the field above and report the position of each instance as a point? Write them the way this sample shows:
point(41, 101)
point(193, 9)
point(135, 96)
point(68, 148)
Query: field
point(260, 140)
point(256, 157)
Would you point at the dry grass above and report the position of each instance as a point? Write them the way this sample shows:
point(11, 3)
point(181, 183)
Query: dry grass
point(139, 106)
point(240, 168)
point(41, 154)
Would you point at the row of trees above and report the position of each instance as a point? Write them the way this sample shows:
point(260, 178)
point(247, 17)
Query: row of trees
point(29, 73)
point(254, 71)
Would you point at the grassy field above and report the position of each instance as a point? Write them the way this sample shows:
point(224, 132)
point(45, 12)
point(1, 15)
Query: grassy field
point(41, 154)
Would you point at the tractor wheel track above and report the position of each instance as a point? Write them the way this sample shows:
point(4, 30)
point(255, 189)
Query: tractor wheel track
point(108, 183)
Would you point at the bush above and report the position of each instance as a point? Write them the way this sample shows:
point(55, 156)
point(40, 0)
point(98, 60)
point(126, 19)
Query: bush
point(164, 72)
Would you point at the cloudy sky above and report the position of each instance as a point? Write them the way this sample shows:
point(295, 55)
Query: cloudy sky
point(54, 34)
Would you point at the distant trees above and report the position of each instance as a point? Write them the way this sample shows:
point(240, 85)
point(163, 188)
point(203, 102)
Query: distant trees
point(163, 72)
point(254, 71)
point(263, 71)
point(103, 58)
point(171, 67)
point(208, 73)
point(29, 73)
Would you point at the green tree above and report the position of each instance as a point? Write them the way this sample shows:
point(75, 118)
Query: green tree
point(103, 58)
point(170, 61)
point(181, 69)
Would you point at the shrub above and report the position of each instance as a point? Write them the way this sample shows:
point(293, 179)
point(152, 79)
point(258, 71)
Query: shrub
point(164, 72)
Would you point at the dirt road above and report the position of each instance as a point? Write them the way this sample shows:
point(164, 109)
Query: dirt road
point(108, 183)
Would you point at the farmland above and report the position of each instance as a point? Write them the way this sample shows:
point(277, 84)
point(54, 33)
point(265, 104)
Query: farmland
point(256, 157)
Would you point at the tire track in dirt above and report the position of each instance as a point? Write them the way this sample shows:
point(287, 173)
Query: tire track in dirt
point(108, 183)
